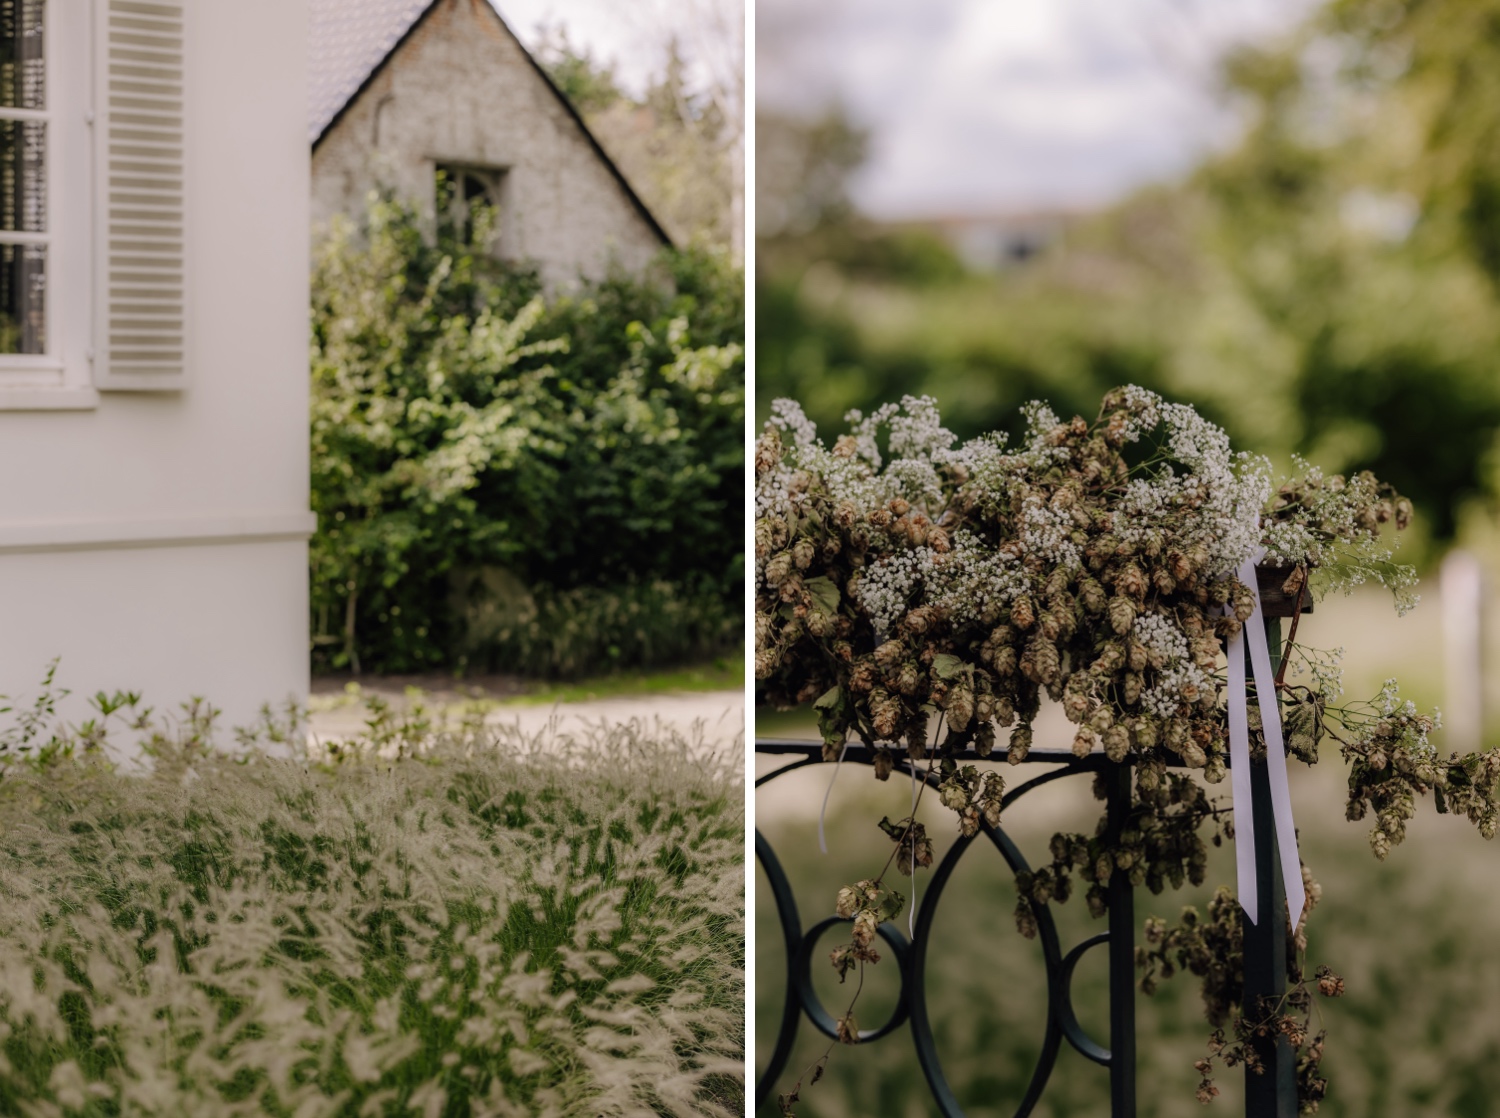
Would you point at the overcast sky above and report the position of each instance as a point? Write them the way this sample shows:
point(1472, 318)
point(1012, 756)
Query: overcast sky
point(977, 106)
point(633, 34)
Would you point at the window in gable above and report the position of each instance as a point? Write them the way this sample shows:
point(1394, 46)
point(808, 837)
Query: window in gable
point(470, 203)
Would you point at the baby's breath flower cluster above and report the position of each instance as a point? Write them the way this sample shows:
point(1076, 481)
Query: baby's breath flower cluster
point(1332, 525)
point(1052, 567)
point(1094, 563)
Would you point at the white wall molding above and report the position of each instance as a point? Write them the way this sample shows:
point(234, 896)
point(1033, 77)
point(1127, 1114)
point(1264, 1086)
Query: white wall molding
point(101, 535)
point(48, 399)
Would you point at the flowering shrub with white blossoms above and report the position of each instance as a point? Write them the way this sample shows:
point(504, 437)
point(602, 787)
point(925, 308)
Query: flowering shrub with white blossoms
point(927, 582)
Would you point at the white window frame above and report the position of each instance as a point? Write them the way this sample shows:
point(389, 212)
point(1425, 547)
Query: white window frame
point(61, 378)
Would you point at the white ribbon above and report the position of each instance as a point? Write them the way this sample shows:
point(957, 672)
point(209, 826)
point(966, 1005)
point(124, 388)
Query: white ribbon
point(1239, 760)
point(822, 842)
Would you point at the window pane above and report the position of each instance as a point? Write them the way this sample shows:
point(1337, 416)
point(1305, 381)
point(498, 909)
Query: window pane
point(23, 175)
point(22, 81)
point(23, 299)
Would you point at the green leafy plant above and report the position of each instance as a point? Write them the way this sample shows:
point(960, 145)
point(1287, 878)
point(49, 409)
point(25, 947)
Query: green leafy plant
point(902, 579)
point(467, 428)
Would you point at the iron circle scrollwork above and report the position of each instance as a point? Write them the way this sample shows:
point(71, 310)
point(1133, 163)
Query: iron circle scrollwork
point(791, 937)
point(813, 1006)
point(1063, 997)
point(922, 1035)
point(1061, 1021)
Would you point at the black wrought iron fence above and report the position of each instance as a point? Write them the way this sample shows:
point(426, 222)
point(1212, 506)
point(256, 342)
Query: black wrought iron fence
point(1269, 1093)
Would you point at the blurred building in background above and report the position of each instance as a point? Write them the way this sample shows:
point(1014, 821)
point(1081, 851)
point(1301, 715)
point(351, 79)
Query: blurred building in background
point(998, 241)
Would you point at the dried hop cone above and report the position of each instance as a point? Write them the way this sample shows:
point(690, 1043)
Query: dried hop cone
point(1244, 602)
point(1020, 744)
point(767, 450)
point(849, 900)
point(778, 568)
point(1005, 711)
point(1083, 742)
point(1116, 743)
point(1048, 662)
point(908, 679)
point(765, 663)
point(960, 707)
point(1121, 614)
point(1330, 985)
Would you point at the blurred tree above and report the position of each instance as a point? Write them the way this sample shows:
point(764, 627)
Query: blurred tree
point(802, 170)
point(1361, 218)
point(1329, 285)
point(680, 143)
point(588, 83)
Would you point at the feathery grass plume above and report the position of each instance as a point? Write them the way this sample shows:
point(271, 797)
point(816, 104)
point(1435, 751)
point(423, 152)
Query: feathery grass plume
point(448, 920)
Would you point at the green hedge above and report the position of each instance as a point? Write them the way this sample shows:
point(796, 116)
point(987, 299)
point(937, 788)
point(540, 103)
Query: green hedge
point(467, 428)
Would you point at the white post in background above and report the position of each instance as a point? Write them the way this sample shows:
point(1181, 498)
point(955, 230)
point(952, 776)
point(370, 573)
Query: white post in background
point(1462, 587)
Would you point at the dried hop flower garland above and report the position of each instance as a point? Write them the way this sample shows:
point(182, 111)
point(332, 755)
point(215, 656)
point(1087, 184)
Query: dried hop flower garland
point(1093, 562)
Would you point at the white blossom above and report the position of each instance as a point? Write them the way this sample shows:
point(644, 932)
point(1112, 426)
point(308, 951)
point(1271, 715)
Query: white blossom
point(1161, 635)
point(788, 416)
point(1047, 532)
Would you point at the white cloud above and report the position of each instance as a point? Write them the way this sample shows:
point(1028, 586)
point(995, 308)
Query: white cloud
point(996, 104)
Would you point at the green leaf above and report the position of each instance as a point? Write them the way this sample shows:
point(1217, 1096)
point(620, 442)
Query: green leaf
point(830, 700)
point(825, 593)
point(947, 666)
point(891, 905)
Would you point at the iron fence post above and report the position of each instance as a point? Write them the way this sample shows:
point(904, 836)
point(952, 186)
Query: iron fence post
point(1272, 1093)
point(1121, 954)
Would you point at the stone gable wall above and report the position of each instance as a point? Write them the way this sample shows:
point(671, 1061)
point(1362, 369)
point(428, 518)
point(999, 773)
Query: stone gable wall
point(461, 90)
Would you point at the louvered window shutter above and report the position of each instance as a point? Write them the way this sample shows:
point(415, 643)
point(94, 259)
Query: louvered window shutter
point(140, 299)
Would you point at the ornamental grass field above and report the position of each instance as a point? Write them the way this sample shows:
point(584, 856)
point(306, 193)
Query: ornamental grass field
point(470, 924)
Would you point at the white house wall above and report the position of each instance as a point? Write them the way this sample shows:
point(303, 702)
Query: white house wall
point(461, 90)
point(157, 541)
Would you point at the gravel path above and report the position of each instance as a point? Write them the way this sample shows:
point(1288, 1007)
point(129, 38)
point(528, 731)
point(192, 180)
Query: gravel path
point(721, 713)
